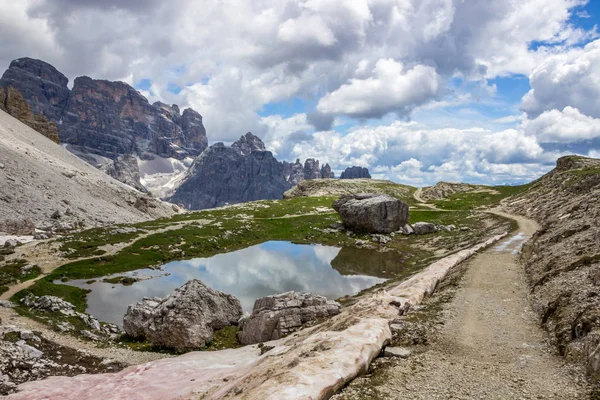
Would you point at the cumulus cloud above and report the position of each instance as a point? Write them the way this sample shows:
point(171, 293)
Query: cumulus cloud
point(413, 153)
point(281, 49)
point(569, 79)
point(568, 125)
point(392, 88)
point(353, 58)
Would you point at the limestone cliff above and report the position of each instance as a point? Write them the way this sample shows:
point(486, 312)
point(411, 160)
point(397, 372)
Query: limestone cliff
point(226, 175)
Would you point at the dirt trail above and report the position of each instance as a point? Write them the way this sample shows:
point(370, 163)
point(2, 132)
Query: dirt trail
point(422, 202)
point(491, 346)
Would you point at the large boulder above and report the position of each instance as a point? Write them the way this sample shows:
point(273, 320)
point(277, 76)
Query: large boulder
point(372, 213)
point(276, 316)
point(185, 320)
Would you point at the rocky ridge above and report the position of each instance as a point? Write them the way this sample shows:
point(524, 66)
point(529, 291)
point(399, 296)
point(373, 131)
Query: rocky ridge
point(338, 187)
point(562, 260)
point(103, 117)
point(13, 103)
point(297, 172)
point(355, 173)
point(443, 190)
point(225, 175)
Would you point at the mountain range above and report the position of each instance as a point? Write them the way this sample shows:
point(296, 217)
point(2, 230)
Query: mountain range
point(155, 147)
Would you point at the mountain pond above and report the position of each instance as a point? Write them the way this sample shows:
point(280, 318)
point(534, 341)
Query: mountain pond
point(265, 269)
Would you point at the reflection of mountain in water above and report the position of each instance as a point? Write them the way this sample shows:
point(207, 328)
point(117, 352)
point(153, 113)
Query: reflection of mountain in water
point(355, 261)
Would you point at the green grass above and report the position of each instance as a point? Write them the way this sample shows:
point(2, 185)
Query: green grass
point(86, 243)
point(585, 172)
point(44, 286)
point(11, 273)
point(227, 231)
point(474, 200)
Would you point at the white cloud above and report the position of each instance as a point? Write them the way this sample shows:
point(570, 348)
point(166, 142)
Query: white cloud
point(570, 79)
point(392, 88)
point(568, 125)
point(412, 153)
point(286, 48)
point(509, 119)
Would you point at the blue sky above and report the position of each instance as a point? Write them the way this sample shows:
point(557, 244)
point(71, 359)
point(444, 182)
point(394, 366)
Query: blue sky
point(418, 91)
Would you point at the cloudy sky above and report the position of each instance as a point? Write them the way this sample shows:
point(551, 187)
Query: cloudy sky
point(416, 90)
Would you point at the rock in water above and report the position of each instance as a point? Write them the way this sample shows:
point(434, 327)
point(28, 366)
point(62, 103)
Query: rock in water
point(356, 173)
point(372, 213)
point(276, 316)
point(185, 320)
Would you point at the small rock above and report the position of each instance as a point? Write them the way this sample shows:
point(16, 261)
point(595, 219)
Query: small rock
point(90, 335)
point(423, 228)
point(25, 335)
point(6, 304)
point(11, 243)
point(29, 350)
point(55, 215)
point(396, 352)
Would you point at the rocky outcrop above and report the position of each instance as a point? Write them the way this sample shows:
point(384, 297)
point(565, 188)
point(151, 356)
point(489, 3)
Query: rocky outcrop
point(277, 316)
point(338, 187)
point(185, 320)
point(443, 190)
point(293, 172)
point(356, 173)
point(125, 169)
point(372, 213)
point(106, 118)
point(225, 175)
point(248, 143)
point(42, 86)
point(562, 260)
point(297, 172)
point(326, 172)
point(13, 103)
point(311, 169)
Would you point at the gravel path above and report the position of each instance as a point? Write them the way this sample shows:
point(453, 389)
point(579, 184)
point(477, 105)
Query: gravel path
point(490, 346)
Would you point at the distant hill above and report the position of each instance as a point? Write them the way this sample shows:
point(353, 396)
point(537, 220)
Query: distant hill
point(337, 187)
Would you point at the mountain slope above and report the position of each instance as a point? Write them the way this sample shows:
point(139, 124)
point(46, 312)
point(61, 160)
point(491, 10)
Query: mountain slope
point(562, 260)
point(39, 178)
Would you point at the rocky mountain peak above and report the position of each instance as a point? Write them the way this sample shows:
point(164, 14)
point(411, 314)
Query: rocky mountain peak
point(106, 118)
point(249, 143)
point(567, 163)
point(41, 85)
point(356, 173)
point(238, 173)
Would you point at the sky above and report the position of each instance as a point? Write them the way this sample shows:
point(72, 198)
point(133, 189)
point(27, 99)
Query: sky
point(418, 91)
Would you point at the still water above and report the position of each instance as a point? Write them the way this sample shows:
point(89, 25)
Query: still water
point(265, 269)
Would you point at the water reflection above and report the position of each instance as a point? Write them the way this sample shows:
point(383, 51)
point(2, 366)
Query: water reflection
point(257, 271)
